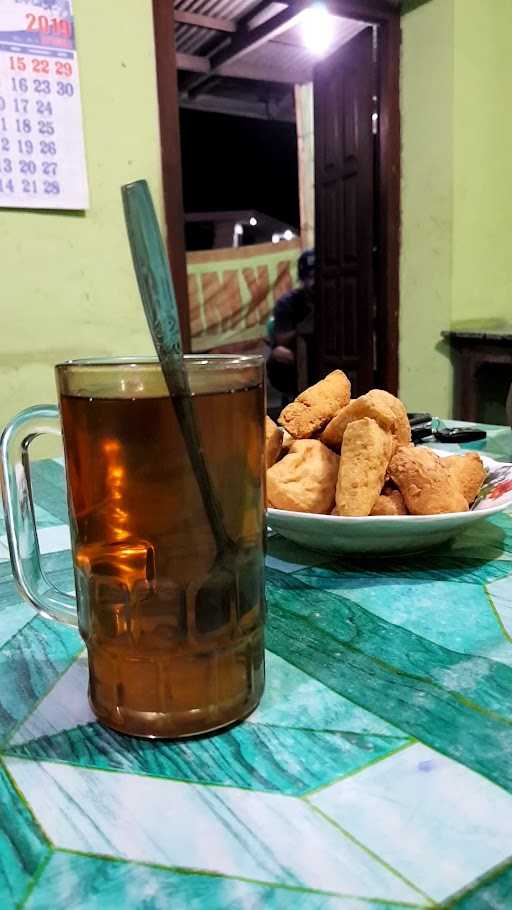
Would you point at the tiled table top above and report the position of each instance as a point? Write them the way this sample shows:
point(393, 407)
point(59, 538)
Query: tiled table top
point(376, 774)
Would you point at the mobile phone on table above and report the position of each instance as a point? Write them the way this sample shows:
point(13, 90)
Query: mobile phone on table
point(423, 425)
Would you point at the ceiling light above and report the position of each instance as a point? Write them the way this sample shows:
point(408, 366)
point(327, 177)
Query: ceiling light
point(316, 28)
point(253, 221)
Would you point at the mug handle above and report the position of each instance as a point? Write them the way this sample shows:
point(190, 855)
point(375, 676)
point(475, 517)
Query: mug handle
point(19, 513)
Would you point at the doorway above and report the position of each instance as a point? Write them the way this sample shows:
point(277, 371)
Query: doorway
point(356, 314)
point(257, 46)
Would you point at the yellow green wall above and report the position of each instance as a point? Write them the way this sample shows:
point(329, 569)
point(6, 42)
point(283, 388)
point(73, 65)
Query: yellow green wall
point(482, 209)
point(427, 205)
point(67, 283)
point(456, 259)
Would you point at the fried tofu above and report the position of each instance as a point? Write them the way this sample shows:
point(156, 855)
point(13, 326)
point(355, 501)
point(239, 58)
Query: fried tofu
point(305, 479)
point(273, 442)
point(390, 502)
point(385, 409)
point(365, 456)
point(314, 407)
point(428, 487)
point(468, 472)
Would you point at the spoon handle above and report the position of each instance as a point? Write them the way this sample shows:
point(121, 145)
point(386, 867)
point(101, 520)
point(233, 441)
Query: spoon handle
point(154, 280)
point(159, 302)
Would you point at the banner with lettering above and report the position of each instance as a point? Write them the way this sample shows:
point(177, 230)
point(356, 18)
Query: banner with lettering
point(232, 292)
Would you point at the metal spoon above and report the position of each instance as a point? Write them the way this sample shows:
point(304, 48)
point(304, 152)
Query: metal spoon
point(217, 601)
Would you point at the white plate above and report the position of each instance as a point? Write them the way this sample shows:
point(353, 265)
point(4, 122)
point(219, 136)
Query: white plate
point(385, 535)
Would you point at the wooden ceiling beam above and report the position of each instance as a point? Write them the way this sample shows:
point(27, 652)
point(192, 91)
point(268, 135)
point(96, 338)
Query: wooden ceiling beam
point(259, 73)
point(370, 11)
point(213, 23)
point(248, 40)
point(245, 21)
point(192, 63)
point(260, 110)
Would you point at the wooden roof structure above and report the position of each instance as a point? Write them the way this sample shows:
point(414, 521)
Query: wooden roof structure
point(244, 56)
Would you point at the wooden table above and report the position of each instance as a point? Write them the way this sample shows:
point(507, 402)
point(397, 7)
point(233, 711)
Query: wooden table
point(375, 775)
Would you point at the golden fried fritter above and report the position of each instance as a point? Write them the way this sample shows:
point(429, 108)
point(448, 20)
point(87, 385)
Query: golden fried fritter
point(425, 484)
point(390, 502)
point(468, 472)
point(382, 407)
point(287, 442)
point(305, 479)
point(402, 430)
point(364, 460)
point(368, 405)
point(273, 442)
point(314, 407)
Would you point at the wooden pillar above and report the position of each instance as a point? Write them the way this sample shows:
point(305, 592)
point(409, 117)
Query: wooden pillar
point(167, 85)
point(306, 159)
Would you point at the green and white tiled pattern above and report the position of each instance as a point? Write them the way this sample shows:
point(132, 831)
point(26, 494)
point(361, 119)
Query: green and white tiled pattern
point(376, 774)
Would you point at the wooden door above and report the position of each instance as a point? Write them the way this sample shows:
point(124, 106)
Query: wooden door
point(344, 183)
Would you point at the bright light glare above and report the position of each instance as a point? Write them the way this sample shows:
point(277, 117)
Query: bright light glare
point(276, 238)
point(288, 235)
point(253, 221)
point(239, 229)
point(316, 28)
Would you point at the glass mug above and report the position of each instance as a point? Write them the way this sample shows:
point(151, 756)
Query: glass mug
point(174, 635)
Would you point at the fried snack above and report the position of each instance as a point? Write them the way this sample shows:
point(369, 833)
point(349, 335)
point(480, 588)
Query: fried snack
point(368, 405)
point(427, 487)
point(402, 431)
point(364, 460)
point(287, 442)
point(273, 441)
point(305, 479)
point(385, 409)
point(468, 472)
point(390, 502)
point(314, 407)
